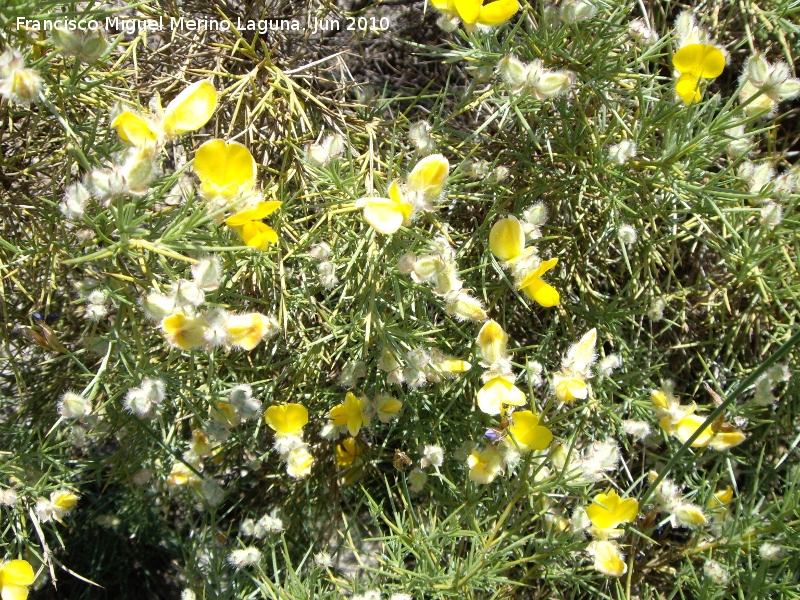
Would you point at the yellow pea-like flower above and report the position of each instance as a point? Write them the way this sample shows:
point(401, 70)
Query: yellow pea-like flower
point(474, 12)
point(696, 62)
point(571, 388)
point(609, 510)
point(253, 232)
point(386, 215)
point(507, 239)
point(536, 289)
point(350, 413)
point(428, 176)
point(485, 466)
point(64, 500)
point(225, 169)
point(349, 452)
point(184, 331)
point(188, 111)
point(498, 393)
point(492, 342)
point(247, 331)
point(686, 427)
point(286, 419)
point(299, 462)
point(387, 408)
point(528, 433)
point(16, 576)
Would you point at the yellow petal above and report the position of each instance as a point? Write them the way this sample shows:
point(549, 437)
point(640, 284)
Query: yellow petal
point(485, 466)
point(446, 6)
point(264, 209)
point(348, 452)
point(725, 440)
point(497, 12)
point(688, 89)
point(134, 129)
point(571, 388)
point(688, 425)
point(191, 109)
point(428, 176)
point(468, 10)
point(453, 365)
point(383, 214)
point(699, 60)
point(14, 592)
point(492, 341)
point(225, 168)
point(527, 431)
point(17, 572)
point(258, 235)
point(543, 293)
point(507, 239)
point(286, 419)
point(497, 393)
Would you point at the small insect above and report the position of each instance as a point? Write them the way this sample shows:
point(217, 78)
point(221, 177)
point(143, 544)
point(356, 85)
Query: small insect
point(401, 460)
point(496, 434)
point(48, 319)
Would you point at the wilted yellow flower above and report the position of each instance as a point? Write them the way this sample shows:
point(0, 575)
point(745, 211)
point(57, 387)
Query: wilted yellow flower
point(16, 576)
point(183, 331)
point(181, 475)
point(386, 215)
point(299, 462)
point(188, 111)
point(350, 413)
point(695, 62)
point(527, 432)
point(286, 419)
point(536, 289)
point(475, 12)
point(225, 169)
point(247, 331)
point(464, 306)
point(349, 452)
point(485, 466)
point(387, 408)
point(248, 224)
point(609, 510)
point(427, 178)
point(497, 393)
point(608, 558)
point(686, 514)
point(453, 365)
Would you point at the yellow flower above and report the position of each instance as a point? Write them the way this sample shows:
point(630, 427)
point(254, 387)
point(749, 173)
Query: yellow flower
point(608, 559)
point(569, 387)
point(225, 169)
point(247, 331)
point(485, 466)
point(536, 289)
point(720, 498)
point(474, 12)
point(507, 239)
point(350, 413)
point(387, 408)
point(492, 342)
point(63, 501)
point(686, 427)
point(689, 515)
point(253, 232)
point(528, 433)
point(428, 176)
point(386, 215)
point(183, 331)
point(188, 111)
point(286, 419)
point(696, 62)
point(15, 578)
point(181, 475)
point(453, 365)
point(609, 510)
point(498, 393)
point(349, 452)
